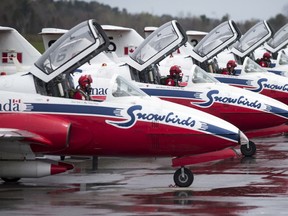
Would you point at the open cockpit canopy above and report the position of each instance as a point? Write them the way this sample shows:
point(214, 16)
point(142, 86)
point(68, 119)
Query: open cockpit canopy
point(252, 39)
point(215, 41)
point(71, 50)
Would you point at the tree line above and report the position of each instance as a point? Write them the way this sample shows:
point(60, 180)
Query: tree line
point(30, 16)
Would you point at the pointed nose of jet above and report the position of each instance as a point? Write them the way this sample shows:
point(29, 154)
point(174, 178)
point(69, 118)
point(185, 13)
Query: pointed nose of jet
point(202, 132)
point(251, 111)
point(271, 111)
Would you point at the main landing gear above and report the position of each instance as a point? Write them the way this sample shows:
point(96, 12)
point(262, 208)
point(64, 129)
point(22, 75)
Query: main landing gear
point(183, 177)
point(248, 150)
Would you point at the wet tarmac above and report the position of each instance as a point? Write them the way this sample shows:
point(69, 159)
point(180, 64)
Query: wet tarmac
point(140, 186)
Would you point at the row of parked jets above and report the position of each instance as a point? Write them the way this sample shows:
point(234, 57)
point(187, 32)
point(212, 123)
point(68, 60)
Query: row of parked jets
point(132, 112)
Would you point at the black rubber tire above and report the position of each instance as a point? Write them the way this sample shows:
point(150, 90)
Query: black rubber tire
point(10, 180)
point(248, 152)
point(186, 181)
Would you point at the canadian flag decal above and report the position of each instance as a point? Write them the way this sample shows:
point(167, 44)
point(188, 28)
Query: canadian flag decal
point(16, 100)
point(7, 57)
point(129, 49)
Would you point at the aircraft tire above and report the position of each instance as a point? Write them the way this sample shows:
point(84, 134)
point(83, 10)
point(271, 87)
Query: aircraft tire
point(10, 180)
point(248, 152)
point(183, 180)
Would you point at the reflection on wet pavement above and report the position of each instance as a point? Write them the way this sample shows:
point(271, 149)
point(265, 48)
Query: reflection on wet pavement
point(133, 186)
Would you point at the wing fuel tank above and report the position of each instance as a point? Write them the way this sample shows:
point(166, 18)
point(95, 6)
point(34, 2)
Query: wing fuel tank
point(32, 169)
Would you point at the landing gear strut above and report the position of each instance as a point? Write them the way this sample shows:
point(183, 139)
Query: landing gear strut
point(183, 177)
point(248, 150)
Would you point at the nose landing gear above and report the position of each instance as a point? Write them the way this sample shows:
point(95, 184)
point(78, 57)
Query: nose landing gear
point(183, 177)
point(248, 150)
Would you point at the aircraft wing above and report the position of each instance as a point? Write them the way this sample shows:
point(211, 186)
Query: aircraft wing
point(21, 146)
point(19, 160)
point(14, 134)
point(23, 137)
point(34, 130)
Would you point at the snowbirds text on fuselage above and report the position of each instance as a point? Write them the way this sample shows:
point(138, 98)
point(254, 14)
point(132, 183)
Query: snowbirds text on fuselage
point(37, 117)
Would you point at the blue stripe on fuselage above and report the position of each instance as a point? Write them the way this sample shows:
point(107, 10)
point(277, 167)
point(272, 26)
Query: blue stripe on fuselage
point(67, 108)
point(171, 93)
point(276, 72)
point(220, 131)
point(235, 81)
point(278, 111)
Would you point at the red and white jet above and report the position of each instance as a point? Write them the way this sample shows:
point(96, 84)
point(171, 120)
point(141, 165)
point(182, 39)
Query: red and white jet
point(37, 117)
point(249, 111)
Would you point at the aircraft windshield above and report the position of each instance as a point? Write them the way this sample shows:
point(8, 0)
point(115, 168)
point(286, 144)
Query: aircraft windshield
point(66, 48)
point(279, 37)
point(156, 42)
point(123, 88)
point(283, 59)
point(214, 39)
point(251, 37)
point(200, 76)
point(251, 66)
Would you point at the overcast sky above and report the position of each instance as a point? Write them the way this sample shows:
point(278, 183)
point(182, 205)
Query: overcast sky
point(239, 10)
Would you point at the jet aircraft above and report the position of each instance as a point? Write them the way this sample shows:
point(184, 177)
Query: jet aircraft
point(247, 110)
point(240, 107)
point(38, 117)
